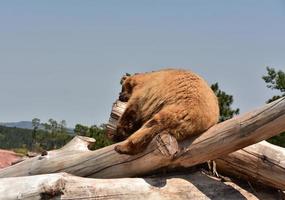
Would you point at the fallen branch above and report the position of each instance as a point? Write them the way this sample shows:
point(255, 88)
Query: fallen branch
point(65, 186)
point(262, 163)
point(163, 151)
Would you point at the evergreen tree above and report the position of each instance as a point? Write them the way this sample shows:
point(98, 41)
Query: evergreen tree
point(98, 133)
point(225, 103)
point(35, 123)
point(275, 80)
point(100, 136)
point(62, 126)
point(81, 130)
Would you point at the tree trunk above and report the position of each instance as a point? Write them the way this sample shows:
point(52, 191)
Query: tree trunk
point(262, 163)
point(163, 151)
point(65, 186)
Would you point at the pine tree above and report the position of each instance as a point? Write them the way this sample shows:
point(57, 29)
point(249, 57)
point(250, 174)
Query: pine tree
point(275, 80)
point(225, 103)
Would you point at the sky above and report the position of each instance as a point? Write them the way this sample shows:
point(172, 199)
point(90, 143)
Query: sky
point(64, 59)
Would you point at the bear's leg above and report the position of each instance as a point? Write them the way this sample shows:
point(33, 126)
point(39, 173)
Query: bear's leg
point(165, 121)
point(136, 142)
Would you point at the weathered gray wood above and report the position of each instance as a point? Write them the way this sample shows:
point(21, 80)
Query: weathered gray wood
point(220, 140)
point(65, 186)
point(118, 109)
point(262, 163)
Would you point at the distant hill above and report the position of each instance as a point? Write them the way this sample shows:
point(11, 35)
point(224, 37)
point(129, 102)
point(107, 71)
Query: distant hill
point(21, 124)
point(25, 125)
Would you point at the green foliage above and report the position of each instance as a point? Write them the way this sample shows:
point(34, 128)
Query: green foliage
point(52, 140)
point(53, 136)
point(225, 102)
point(81, 130)
point(278, 140)
point(95, 132)
point(56, 133)
point(23, 140)
point(12, 138)
point(22, 151)
point(275, 80)
point(36, 122)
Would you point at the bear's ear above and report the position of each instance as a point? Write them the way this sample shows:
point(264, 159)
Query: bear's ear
point(124, 78)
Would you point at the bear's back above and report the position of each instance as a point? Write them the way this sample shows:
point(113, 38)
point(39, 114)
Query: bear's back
point(177, 87)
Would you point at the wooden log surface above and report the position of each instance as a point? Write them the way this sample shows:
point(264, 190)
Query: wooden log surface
point(191, 186)
point(163, 151)
point(262, 163)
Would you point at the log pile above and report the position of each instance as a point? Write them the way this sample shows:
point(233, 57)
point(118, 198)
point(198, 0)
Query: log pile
point(227, 143)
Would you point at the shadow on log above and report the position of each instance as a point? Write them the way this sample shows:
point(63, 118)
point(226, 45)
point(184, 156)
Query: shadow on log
point(163, 151)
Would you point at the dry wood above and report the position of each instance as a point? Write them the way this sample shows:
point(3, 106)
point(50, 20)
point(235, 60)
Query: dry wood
point(65, 186)
point(118, 109)
point(262, 163)
point(163, 151)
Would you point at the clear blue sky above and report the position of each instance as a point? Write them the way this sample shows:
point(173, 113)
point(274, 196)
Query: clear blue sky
point(64, 59)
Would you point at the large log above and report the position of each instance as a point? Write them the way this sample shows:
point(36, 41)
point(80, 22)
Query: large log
point(190, 186)
point(163, 151)
point(262, 163)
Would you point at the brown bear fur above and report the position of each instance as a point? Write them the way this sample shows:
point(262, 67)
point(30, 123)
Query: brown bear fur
point(172, 101)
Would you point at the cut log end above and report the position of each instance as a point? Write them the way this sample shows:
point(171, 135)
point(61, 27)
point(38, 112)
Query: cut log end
point(167, 145)
point(118, 109)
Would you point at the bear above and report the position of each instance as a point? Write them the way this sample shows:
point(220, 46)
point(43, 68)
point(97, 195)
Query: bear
point(171, 101)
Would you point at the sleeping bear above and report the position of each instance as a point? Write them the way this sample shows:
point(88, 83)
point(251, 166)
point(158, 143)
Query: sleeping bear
point(172, 101)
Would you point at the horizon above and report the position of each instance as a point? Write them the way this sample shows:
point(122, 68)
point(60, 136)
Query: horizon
point(64, 60)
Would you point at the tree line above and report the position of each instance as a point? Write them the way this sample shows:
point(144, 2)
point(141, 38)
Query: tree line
point(43, 136)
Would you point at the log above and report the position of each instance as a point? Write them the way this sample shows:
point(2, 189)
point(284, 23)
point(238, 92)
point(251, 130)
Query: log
point(163, 151)
point(66, 186)
point(262, 163)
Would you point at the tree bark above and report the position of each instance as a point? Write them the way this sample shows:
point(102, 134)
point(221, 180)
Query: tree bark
point(163, 151)
point(262, 163)
point(65, 186)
